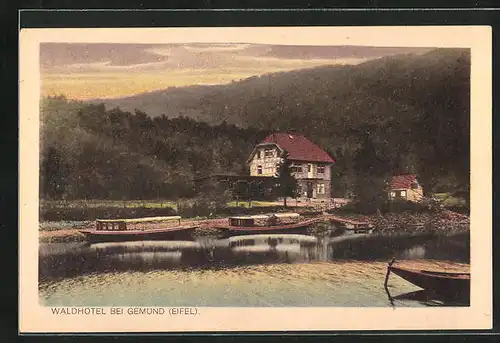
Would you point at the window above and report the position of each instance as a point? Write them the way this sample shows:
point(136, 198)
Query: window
point(296, 169)
point(392, 195)
point(259, 170)
point(403, 194)
point(308, 168)
point(321, 169)
point(258, 154)
point(268, 153)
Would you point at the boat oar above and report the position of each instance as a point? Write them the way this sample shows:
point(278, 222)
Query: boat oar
point(388, 272)
point(391, 300)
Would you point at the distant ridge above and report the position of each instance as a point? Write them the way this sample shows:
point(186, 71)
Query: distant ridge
point(259, 100)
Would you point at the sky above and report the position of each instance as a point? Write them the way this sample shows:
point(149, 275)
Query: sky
point(85, 71)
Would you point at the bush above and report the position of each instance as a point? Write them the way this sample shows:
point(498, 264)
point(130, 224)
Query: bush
point(426, 205)
point(394, 206)
point(350, 207)
point(200, 207)
point(107, 212)
point(231, 211)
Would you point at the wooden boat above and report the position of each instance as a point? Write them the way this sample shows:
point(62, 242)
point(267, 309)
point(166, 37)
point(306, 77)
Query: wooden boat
point(274, 223)
point(454, 285)
point(152, 228)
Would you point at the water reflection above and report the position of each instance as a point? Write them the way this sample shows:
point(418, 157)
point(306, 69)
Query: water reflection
point(427, 298)
point(60, 260)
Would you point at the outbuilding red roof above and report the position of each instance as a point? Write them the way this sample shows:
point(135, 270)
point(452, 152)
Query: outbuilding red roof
point(299, 147)
point(403, 181)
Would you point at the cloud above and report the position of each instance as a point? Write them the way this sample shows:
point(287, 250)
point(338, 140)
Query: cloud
point(216, 47)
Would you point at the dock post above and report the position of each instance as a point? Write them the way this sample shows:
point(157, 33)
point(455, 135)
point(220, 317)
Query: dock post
point(388, 272)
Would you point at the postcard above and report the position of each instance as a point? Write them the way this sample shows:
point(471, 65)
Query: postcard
point(255, 179)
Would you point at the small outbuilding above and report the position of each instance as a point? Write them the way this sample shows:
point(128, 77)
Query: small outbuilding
point(405, 187)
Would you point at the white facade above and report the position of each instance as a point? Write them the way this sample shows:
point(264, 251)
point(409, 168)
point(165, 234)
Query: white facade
point(314, 178)
point(265, 161)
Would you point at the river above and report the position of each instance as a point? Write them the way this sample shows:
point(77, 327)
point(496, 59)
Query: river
point(284, 270)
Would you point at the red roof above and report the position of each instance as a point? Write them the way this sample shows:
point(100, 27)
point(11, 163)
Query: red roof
point(299, 147)
point(403, 181)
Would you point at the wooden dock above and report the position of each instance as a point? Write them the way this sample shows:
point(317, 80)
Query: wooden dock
point(349, 223)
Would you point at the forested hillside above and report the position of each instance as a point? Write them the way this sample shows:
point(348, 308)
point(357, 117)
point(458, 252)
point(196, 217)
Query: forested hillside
point(88, 152)
point(412, 111)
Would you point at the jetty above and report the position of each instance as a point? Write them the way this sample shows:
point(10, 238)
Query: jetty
point(344, 222)
point(348, 223)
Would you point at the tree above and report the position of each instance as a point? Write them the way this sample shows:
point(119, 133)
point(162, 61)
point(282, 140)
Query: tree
point(286, 183)
point(217, 192)
point(371, 170)
point(53, 174)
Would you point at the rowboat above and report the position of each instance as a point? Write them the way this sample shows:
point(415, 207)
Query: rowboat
point(152, 228)
point(455, 285)
point(274, 223)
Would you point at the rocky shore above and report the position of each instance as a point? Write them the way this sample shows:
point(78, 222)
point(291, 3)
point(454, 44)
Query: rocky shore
point(444, 222)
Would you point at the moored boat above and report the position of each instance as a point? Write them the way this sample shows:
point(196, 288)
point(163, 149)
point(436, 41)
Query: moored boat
point(451, 284)
point(152, 228)
point(273, 223)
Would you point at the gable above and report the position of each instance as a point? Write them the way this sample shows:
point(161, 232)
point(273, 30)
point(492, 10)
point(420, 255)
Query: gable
point(262, 147)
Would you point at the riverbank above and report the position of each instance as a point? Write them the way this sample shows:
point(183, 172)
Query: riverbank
point(444, 222)
point(391, 224)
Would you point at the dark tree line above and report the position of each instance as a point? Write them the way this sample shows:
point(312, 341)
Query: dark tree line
point(120, 155)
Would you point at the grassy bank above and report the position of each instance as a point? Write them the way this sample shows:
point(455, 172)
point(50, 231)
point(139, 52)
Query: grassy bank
point(130, 204)
point(81, 210)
